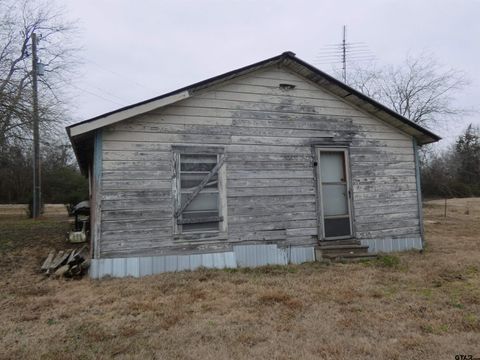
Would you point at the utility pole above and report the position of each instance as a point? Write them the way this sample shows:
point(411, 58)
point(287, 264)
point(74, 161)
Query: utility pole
point(36, 134)
point(344, 54)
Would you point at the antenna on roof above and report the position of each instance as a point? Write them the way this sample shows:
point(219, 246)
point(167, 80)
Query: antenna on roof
point(344, 53)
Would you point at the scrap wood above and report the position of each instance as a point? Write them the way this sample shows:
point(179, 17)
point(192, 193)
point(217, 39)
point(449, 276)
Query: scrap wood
point(48, 260)
point(77, 256)
point(79, 252)
point(71, 257)
point(61, 271)
point(56, 259)
point(85, 265)
point(67, 263)
point(61, 257)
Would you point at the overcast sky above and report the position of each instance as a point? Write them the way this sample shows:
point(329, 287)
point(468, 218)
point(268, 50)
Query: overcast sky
point(135, 50)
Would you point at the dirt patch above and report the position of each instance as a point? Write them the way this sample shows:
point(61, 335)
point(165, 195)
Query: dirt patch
point(405, 306)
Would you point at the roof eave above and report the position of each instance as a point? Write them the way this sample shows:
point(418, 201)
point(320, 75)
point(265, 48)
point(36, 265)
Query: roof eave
point(82, 159)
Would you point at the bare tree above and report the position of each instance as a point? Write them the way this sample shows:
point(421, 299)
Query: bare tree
point(18, 20)
point(420, 88)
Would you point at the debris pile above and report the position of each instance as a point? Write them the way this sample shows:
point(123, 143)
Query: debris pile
point(67, 263)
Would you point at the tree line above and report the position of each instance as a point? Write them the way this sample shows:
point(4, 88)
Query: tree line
point(61, 180)
point(454, 172)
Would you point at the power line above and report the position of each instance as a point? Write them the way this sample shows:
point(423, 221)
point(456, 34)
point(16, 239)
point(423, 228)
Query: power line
point(94, 94)
point(107, 92)
point(103, 92)
point(119, 75)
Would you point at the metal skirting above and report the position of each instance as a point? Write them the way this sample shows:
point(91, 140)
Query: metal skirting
point(393, 245)
point(149, 265)
point(241, 256)
point(260, 255)
point(271, 254)
point(299, 255)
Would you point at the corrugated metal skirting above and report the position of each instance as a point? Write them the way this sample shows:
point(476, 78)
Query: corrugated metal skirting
point(241, 256)
point(393, 245)
point(149, 265)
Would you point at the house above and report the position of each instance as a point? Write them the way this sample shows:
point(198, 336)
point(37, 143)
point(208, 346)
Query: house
point(261, 165)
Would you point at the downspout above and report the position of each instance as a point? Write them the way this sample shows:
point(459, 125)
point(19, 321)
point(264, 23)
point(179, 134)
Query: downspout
point(419, 190)
point(97, 178)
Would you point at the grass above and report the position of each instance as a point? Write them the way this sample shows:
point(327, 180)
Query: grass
point(401, 306)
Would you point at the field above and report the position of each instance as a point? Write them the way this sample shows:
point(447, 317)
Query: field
point(403, 306)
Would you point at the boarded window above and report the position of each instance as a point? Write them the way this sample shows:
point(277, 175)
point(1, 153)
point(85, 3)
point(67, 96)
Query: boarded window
point(199, 195)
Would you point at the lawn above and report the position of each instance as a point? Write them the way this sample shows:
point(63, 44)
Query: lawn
point(402, 306)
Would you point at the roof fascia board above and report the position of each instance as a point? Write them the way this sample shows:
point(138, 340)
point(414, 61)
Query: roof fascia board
point(82, 128)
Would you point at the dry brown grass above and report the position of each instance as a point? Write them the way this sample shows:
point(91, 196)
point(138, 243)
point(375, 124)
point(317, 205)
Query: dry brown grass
point(20, 210)
point(423, 306)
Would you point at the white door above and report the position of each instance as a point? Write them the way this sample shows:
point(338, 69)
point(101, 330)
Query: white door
point(334, 193)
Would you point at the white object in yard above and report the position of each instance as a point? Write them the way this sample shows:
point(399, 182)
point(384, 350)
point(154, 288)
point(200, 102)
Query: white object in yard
point(78, 236)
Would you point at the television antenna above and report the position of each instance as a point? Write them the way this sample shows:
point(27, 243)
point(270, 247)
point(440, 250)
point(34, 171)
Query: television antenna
point(344, 53)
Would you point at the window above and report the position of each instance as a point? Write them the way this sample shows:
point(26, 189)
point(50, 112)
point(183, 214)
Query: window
point(200, 191)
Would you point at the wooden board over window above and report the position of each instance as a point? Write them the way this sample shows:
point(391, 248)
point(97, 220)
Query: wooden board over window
point(200, 190)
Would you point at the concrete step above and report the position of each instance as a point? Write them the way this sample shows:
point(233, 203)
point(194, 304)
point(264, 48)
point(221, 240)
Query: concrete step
point(350, 257)
point(340, 251)
point(346, 248)
point(338, 242)
point(343, 253)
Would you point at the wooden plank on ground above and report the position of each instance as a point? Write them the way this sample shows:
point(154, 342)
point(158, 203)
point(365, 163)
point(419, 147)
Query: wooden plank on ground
point(71, 256)
point(59, 259)
point(78, 253)
point(48, 261)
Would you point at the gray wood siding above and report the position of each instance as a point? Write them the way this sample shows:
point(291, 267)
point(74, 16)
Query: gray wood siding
point(271, 195)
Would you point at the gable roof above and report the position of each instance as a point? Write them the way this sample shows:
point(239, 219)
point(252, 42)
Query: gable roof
point(79, 131)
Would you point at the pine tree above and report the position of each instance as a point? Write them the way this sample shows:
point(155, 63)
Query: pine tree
point(467, 150)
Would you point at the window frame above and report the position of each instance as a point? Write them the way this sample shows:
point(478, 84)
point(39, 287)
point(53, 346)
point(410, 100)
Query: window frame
point(179, 233)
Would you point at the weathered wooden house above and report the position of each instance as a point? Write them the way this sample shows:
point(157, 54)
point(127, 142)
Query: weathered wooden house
point(261, 165)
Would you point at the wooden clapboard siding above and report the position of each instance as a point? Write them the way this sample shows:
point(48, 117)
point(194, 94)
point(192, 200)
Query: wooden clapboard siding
point(271, 191)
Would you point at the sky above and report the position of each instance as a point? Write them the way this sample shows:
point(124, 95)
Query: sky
point(135, 50)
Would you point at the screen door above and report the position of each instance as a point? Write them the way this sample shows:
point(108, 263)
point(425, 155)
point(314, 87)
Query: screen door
point(334, 193)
